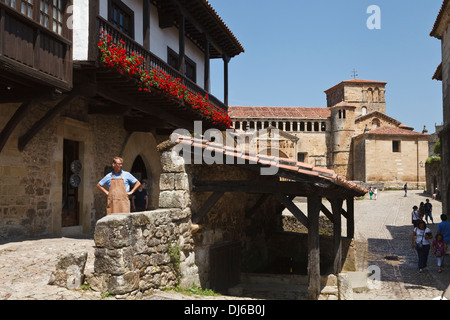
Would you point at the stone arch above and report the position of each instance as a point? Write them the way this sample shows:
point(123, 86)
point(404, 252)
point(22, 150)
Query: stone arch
point(144, 144)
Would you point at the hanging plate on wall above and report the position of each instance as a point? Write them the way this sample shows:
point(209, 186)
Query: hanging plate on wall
point(76, 166)
point(75, 180)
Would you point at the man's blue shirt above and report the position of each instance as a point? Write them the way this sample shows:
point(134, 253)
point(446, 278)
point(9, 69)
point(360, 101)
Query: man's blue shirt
point(127, 177)
point(444, 229)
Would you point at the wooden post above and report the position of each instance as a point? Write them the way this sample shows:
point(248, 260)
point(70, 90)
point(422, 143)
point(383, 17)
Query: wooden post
point(336, 206)
point(181, 46)
point(207, 65)
point(226, 60)
point(314, 205)
point(146, 24)
point(350, 218)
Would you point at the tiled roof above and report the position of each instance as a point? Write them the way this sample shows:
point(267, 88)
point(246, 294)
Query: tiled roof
point(355, 81)
point(433, 32)
point(294, 170)
point(395, 131)
point(377, 114)
point(278, 112)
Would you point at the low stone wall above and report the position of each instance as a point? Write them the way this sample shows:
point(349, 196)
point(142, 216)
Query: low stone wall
point(139, 252)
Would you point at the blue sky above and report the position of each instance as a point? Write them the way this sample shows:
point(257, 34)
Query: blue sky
point(296, 49)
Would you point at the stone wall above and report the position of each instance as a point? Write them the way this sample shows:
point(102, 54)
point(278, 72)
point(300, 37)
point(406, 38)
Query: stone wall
point(31, 180)
point(139, 252)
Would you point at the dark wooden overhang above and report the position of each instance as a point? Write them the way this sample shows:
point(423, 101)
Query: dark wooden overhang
point(295, 179)
point(201, 23)
point(109, 92)
point(32, 57)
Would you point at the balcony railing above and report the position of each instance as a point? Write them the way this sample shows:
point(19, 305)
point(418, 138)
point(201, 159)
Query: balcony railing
point(151, 60)
point(30, 49)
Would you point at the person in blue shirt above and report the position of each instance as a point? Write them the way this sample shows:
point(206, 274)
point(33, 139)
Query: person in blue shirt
point(119, 183)
point(444, 229)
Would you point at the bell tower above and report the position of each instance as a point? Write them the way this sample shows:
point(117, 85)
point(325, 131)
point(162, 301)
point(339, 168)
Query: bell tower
point(367, 96)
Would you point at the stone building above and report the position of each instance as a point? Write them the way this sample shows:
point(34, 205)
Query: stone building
point(441, 31)
point(66, 110)
point(351, 136)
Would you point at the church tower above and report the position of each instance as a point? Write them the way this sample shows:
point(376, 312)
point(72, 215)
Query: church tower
point(347, 101)
point(367, 96)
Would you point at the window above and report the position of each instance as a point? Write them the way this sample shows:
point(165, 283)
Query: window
point(301, 157)
point(122, 17)
point(395, 146)
point(11, 3)
point(51, 14)
point(190, 68)
point(26, 8)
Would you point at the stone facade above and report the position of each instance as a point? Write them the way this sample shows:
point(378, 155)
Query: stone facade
point(331, 137)
point(31, 187)
point(441, 31)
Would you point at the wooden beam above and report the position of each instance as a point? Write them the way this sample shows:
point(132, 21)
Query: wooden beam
point(327, 212)
point(287, 202)
point(146, 24)
point(20, 113)
point(314, 205)
point(23, 140)
point(258, 204)
point(212, 200)
point(336, 206)
point(288, 188)
point(350, 217)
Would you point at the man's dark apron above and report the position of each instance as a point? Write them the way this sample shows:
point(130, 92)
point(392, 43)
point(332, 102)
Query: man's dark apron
point(118, 201)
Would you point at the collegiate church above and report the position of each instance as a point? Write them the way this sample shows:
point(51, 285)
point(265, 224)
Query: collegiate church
point(353, 135)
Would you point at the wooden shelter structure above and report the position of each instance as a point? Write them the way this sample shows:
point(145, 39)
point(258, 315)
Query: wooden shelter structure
point(296, 179)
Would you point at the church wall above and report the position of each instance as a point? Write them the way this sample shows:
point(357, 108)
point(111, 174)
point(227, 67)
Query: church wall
point(395, 168)
point(359, 159)
point(380, 121)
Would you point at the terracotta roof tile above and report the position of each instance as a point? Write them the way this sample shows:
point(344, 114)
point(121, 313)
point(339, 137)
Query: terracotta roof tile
point(395, 131)
point(289, 166)
point(278, 112)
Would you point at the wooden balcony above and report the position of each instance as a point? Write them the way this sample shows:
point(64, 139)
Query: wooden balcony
point(31, 55)
point(151, 60)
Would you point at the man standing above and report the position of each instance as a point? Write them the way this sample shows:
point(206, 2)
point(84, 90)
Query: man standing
point(139, 199)
point(428, 208)
point(119, 183)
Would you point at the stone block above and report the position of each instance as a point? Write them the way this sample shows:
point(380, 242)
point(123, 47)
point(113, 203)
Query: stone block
point(172, 162)
point(123, 284)
point(69, 271)
point(166, 181)
point(181, 181)
point(173, 199)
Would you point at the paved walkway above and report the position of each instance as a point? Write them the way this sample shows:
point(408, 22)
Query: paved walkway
point(384, 224)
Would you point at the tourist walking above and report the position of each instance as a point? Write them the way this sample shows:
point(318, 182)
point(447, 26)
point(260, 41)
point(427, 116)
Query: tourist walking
point(421, 211)
point(438, 248)
point(421, 242)
point(428, 208)
point(370, 192)
point(118, 181)
point(415, 216)
point(405, 187)
point(375, 193)
point(444, 229)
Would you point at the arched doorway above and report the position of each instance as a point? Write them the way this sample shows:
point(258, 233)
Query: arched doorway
point(139, 170)
point(142, 158)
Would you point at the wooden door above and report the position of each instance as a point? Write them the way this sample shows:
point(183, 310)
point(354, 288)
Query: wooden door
point(71, 180)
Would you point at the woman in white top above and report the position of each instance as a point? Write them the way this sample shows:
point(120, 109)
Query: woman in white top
point(421, 242)
point(415, 216)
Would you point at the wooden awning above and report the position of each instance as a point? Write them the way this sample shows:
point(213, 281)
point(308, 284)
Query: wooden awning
point(300, 179)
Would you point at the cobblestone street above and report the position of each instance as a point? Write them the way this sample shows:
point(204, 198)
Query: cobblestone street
point(384, 224)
